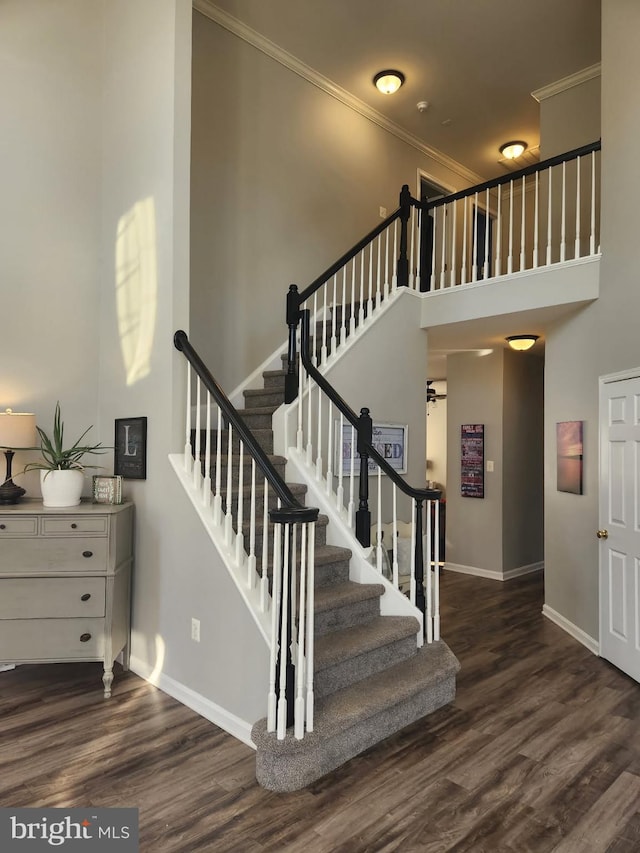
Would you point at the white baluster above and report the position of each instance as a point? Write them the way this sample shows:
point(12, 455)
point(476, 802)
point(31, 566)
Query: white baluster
point(536, 215)
point(394, 274)
point(264, 568)
point(300, 665)
point(418, 250)
point(251, 562)
point(284, 624)
point(319, 434)
point(188, 459)
point(334, 319)
point(487, 220)
point(323, 349)
point(344, 313)
point(474, 245)
point(217, 498)
point(299, 401)
point(443, 258)
point(309, 423)
point(592, 235)
point(412, 225)
point(436, 575)
point(379, 524)
point(197, 461)
point(454, 235)
point(310, 622)
point(394, 539)
point(352, 462)
point(577, 241)
point(272, 701)
point(240, 513)
point(378, 274)
point(340, 489)
point(412, 559)
point(510, 255)
point(361, 309)
point(429, 596)
point(499, 232)
point(523, 260)
point(549, 220)
point(386, 264)
point(433, 247)
point(563, 220)
point(463, 276)
point(370, 297)
point(352, 319)
point(228, 518)
point(329, 478)
point(206, 483)
point(314, 330)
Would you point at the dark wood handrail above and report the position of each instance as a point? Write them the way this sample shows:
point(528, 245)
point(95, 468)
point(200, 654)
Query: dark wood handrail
point(512, 176)
point(350, 415)
point(293, 510)
point(348, 256)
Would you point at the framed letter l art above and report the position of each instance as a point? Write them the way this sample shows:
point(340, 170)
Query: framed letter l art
point(130, 458)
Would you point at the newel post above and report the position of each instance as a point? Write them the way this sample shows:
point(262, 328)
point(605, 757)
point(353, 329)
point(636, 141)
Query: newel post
point(402, 269)
point(418, 567)
point(363, 515)
point(293, 316)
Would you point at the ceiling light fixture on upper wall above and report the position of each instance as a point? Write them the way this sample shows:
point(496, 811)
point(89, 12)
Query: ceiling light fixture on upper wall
point(521, 342)
point(388, 81)
point(511, 150)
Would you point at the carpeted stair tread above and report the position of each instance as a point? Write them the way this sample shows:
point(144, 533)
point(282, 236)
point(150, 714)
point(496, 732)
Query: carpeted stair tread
point(322, 521)
point(432, 664)
point(340, 595)
point(360, 639)
point(331, 554)
point(258, 410)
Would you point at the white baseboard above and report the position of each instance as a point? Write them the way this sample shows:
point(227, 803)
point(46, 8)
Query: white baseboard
point(571, 629)
point(231, 724)
point(494, 575)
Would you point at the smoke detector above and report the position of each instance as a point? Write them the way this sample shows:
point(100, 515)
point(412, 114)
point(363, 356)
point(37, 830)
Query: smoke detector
point(422, 106)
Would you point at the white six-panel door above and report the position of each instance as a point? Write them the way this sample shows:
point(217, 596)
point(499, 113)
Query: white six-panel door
point(619, 532)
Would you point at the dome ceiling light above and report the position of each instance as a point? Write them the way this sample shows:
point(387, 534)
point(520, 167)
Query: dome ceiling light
point(514, 149)
point(521, 342)
point(388, 81)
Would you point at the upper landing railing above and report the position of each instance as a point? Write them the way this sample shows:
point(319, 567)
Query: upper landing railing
point(545, 214)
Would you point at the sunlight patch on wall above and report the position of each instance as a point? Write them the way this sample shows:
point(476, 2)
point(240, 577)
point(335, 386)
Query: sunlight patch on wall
point(137, 287)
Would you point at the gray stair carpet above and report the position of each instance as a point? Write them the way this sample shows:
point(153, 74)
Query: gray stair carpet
point(370, 679)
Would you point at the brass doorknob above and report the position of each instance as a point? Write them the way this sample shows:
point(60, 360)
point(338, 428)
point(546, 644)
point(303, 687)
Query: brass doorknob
point(602, 534)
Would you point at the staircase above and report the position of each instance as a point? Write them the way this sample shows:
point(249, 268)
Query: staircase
point(370, 679)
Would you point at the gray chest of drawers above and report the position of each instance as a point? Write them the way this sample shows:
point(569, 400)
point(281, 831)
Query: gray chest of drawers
point(65, 581)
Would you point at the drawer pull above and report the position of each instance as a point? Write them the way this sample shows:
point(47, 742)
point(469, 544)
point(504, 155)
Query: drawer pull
point(3, 526)
point(87, 553)
point(84, 638)
point(74, 526)
point(85, 597)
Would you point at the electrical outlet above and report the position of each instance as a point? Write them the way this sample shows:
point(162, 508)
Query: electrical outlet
point(489, 466)
point(383, 213)
point(195, 630)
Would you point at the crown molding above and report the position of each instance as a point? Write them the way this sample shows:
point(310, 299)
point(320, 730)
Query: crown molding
point(292, 63)
point(567, 83)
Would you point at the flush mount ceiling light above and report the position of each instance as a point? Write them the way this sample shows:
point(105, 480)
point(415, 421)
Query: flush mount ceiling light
point(521, 342)
point(388, 81)
point(511, 150)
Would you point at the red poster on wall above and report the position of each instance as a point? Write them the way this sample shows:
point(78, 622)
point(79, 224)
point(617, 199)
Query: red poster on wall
point(472, 461)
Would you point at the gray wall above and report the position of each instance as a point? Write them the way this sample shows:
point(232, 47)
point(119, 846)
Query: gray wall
point(475, 396)
point(603, 338)
point(522, 460)
point(284, 180)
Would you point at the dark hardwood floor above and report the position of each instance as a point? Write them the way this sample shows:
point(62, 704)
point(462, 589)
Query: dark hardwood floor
point(540, 752)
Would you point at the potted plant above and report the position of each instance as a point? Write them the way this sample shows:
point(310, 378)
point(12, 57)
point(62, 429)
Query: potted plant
point(61, 471)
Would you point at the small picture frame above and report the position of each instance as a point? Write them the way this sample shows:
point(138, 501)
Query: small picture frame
point(107, 490)
point(130, 457)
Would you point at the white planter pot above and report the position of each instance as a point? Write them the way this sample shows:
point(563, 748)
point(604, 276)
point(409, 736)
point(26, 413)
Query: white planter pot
point(61, 488)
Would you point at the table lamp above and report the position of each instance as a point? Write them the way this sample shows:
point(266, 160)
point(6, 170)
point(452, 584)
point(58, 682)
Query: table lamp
point(17, 432)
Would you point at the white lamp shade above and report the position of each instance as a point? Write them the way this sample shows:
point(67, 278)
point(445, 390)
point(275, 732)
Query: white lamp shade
point(17, 429)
